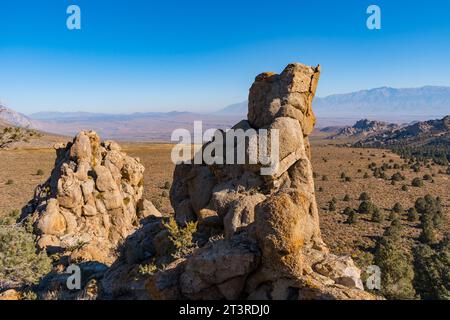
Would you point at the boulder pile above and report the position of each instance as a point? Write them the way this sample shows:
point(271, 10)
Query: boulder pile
point(91, 202)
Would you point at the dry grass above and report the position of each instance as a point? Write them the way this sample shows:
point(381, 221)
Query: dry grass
point(332, 161)
point(21, 166)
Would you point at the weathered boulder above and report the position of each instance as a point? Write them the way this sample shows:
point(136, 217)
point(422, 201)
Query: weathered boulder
point(91, 202)
point(10, 294)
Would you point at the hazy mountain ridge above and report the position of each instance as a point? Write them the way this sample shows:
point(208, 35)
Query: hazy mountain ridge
point(425, 101)
point(235, 109)
point(387, 104)
point(428, 100)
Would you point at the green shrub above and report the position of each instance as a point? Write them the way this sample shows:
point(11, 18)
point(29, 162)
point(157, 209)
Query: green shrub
point(181, 237)
point(428, 234)
point(417, 182)
point(352, 217)
point(28, 295)
point(404, 187)
point(40, 172)
point(412, 214)
point(377, 216)
point(396, 269)
point(432, 271)
point(167, 185)
point(364, 196)
point(19, 262)
point(420, 205)
point(347, 211)
point(10, 218)
point(331, 206)
point(147, 269)
point(393, 215)
point(9, 182)
point(397, 177)
point(366, 207)
point(347, 198)
point(398, 208)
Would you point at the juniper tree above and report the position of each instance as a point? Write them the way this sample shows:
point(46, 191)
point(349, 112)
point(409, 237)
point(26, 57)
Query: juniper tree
point(412, 214)
point(364, 196)
point(377, 216)
point(396, 270)
point(352, 217)
point(20, 264)
point(432, 271)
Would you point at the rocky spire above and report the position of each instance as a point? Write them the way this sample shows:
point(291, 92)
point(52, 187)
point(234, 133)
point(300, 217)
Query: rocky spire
point(89, 203)
point(272, 246)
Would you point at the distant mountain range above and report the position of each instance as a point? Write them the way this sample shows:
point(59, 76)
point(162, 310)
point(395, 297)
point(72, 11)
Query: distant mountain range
point(388, 104)
point(239, 109)
point(425, 101)
point(385, 102)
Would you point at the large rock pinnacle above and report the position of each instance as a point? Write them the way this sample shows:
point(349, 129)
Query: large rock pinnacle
point(272, 247)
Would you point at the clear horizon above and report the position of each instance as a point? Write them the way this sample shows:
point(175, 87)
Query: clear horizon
point(203, 56)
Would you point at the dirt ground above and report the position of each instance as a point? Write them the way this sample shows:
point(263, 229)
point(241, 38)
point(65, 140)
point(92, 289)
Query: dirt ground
point(18, 178)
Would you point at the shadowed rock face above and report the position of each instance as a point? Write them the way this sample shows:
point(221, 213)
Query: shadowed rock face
point(90, 201)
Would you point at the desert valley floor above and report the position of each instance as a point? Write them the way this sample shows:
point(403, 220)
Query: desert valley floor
point(22, 170)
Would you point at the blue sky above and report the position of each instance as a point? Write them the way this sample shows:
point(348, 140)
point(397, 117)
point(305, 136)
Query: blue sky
point(144, 55)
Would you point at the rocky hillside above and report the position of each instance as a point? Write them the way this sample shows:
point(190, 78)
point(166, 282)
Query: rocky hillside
point(363, 128)
point(419, 133)
point(14, 118)
point(421, 140)
point(13, 137)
